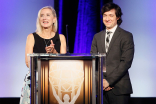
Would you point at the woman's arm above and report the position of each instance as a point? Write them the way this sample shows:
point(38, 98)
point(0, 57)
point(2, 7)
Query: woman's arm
point(29, 48)
point(63, 44)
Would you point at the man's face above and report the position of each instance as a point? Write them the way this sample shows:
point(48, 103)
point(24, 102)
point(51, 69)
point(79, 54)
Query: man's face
point(110, 19)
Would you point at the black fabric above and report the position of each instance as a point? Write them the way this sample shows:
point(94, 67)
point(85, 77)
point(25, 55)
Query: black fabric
point(110, 98)
point(40, 43)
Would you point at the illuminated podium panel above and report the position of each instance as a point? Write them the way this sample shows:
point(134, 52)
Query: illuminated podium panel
point(66, 78)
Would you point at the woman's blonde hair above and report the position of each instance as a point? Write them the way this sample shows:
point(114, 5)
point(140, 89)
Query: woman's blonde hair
point(38, 25)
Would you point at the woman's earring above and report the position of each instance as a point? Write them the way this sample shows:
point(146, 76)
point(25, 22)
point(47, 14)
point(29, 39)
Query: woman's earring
point(53, 24)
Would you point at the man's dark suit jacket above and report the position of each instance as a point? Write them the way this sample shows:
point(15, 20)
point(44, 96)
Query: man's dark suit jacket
point(118, 59)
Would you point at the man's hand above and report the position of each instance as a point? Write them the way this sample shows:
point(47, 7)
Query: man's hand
point(108, 88)
point(105, 84)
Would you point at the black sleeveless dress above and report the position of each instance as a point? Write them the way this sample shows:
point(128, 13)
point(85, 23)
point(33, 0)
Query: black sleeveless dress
point(40, 43)
point(39, 47)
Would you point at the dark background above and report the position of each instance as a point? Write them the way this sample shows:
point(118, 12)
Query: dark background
point(69, 17)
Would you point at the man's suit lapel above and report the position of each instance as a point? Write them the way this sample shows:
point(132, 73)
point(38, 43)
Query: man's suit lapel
point(116, 34)
point(103, 40)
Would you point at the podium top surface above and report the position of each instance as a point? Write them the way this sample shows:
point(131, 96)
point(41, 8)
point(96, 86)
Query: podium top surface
point(66, 55)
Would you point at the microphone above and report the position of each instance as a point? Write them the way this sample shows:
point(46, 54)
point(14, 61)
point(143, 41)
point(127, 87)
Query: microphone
point(67, 38)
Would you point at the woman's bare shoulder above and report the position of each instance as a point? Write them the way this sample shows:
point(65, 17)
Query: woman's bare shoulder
point(30, 37)
point(62, 36)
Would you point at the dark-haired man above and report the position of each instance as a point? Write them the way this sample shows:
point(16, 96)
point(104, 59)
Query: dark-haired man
point(119, 48)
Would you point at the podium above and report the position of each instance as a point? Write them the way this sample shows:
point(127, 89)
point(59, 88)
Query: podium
point(67, 78)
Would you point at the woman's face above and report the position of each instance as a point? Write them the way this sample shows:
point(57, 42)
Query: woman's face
point(46, 18)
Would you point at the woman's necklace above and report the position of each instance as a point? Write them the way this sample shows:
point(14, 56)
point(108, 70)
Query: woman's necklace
point(46, 43)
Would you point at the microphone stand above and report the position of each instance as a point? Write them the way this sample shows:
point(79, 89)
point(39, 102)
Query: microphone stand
point(67, 38)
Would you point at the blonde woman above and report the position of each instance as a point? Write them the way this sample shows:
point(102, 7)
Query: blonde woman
point(44, 40)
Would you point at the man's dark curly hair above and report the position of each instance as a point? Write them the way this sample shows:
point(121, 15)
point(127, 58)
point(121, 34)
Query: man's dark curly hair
point(109, 6)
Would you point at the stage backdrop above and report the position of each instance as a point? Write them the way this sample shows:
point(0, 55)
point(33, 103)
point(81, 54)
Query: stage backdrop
point(17, 20)
point(139, 17)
